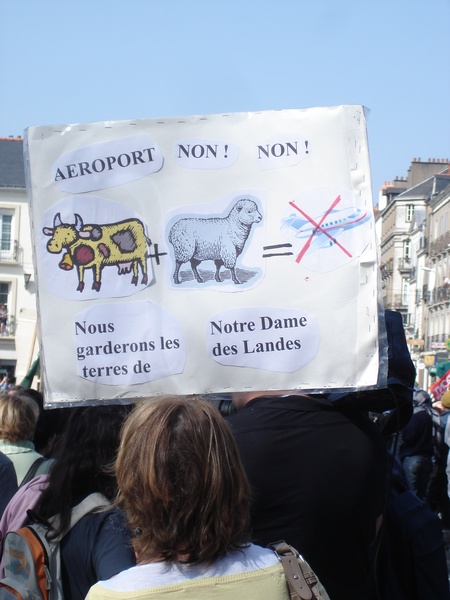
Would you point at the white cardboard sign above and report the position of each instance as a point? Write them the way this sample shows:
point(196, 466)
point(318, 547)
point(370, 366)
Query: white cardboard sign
point(204, 255)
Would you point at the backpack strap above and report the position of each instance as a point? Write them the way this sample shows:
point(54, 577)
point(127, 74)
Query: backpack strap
point(32, 470)
point(90, 503)
point(300, 578)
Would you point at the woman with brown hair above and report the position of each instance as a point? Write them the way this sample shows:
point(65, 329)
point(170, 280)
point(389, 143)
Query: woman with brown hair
point(187, 500)
point(19, 415)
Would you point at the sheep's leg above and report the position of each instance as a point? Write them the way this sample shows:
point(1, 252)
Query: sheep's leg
point(218, 263)
point(194, 265)
point(233, 275)
point(176, 278)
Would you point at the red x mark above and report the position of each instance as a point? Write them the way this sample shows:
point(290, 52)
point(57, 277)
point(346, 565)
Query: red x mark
point(318, 229)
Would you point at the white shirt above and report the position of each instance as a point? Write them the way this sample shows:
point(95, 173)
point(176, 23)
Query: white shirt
point(157, 574)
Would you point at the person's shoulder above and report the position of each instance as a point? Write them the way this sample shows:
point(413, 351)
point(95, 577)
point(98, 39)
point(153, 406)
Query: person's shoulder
point(265, 411)
point(4, 460)
point(422, 415)
point(259, 556)
point(96, 529)
point(7, 469)
point(114, 520)
point(99, 592)
point(45, 466)
point(105, 521)
point(136, 578)
point(99, 515)
point(286, 401)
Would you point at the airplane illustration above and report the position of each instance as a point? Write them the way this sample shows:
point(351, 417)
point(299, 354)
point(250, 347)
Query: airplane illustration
point(324, 232)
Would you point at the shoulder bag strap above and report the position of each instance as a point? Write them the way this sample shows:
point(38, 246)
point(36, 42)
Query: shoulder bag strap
point(32, 470)
point(299, 576)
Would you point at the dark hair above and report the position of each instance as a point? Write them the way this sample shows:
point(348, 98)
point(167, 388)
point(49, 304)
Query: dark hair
point(30, 392)
point(84, 460)
point(181, 482)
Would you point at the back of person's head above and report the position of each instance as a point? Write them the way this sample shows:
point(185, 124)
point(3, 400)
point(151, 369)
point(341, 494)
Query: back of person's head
point(48, 425)
point(84, 460)
point(181, 482)
point(18, 417)
point(30, 392)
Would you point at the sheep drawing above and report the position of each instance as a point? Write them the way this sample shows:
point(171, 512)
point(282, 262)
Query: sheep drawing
point(219, 239)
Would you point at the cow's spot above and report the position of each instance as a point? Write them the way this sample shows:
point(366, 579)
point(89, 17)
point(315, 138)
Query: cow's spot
point(83, 255)
point(104, 250)
point(125, 241)
point(96, 233)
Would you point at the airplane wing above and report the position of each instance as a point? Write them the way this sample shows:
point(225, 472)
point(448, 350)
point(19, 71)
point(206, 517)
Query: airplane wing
point(293, 222)
point(321, 240)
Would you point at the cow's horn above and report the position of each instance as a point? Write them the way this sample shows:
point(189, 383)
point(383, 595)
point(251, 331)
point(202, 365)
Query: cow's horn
point(57, 220)
point(78, 222)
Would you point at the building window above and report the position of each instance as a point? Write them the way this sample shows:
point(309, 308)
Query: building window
point(405, 290)
point(6, 222)
point(7, 322)
point(409, 212)
point(407, 250)
point(4, 293)
point(7, 246)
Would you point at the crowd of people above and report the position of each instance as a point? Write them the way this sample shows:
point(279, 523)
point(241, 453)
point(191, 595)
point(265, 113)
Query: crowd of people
point(192, 499)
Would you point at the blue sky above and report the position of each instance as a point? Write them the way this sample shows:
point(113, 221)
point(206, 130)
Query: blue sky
point(96, 60)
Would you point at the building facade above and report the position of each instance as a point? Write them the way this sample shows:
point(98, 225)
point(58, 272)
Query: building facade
point(18, 344)
point(413, 221)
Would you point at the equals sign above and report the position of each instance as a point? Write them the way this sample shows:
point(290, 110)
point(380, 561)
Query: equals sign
point(277, 247)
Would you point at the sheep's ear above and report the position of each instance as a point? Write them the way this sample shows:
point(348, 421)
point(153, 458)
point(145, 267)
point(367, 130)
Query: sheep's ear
point(239, 207)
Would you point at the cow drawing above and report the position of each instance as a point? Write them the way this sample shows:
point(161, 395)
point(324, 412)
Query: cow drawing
point(123, 244)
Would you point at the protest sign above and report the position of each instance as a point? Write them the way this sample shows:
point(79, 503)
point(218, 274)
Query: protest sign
point(204, 254)
point(439, 388)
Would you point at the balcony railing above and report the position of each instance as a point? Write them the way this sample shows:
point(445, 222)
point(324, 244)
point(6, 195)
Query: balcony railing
point(437, 295)
point(9, 329)
point(387, 268)
point(404, 265)
point(9, 251)
point(440, 245)
point(440, 338)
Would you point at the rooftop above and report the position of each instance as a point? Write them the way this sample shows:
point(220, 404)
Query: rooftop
point(426, 189)
point(12, 171)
